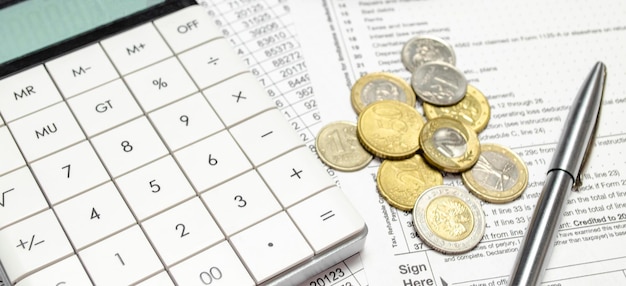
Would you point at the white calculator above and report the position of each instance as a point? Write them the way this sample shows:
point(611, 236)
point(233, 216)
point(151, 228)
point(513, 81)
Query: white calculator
point(136, 148)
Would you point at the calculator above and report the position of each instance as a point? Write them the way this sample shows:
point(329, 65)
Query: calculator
point(138, 149)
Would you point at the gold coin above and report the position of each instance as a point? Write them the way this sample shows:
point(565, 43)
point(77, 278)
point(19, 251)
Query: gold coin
point(338, 147)
point(379, 86)
point(499, 176)
point(473, 110)
point(449, 144)
point(390, 129)
point(449, 219)
point(400, 182)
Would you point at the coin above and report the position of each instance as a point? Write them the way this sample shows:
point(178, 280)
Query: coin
point(499, 176)
point(338, 147)
point(390, 129)
point(439, 83)
point(449, 219)
point(400, 182)
point(473, 110)
point(449, 144)
point(380, 86)
point(424, 49)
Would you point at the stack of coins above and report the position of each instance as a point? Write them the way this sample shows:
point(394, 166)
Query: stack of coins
point(415, 151)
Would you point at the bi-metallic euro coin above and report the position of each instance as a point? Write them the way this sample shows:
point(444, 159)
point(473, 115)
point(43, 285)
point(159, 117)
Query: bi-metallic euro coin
point(379, 86)
point(449, 144)
point(499, 176)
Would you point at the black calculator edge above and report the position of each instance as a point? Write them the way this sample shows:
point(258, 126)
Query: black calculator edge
point(4, 279)
point(89, 37)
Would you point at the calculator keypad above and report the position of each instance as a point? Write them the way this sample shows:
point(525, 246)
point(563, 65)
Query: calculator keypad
point(159, 159)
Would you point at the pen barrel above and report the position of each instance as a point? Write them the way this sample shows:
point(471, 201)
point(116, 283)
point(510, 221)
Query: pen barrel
point(538, 242)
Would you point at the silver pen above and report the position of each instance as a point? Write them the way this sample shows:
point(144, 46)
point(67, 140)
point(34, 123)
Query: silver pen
point(563, 175)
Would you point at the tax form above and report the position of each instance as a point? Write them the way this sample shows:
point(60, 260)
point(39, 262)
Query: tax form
point(528, 58)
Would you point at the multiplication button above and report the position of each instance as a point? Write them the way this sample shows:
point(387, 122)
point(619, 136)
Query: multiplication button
point(238, 98)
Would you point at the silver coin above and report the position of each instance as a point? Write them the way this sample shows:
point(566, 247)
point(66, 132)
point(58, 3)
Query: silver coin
point(449, 219)
point(424, 49)
point(439, 83)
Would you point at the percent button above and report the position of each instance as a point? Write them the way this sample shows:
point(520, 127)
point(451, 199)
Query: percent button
point(159, 83)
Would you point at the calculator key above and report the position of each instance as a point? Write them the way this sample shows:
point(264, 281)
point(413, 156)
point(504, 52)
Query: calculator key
point(276, 237)
point(155, 187)
point(94, 215)
point(69, 172)
point(182, 231)
point(187, 28)
point(295, 176)
point(68, 271)
point(27, 92)
point(218, 266)
point(161, 279)
point(81, 70)
point(32, 244)
point(241, 202)
point(265, 136)
point(129, 146)
point(136, 48)
point(160, 84)
point(19, 196)
point(238, 98)
point(122, 259)
point(46, 131)
point(212, 62)
point(104, 107)
point(10, 157)
point(326, 219)
point(212, 161)
point(186, 121)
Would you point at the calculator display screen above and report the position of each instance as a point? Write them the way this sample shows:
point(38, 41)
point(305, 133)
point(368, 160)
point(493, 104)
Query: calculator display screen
point(33, 24)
